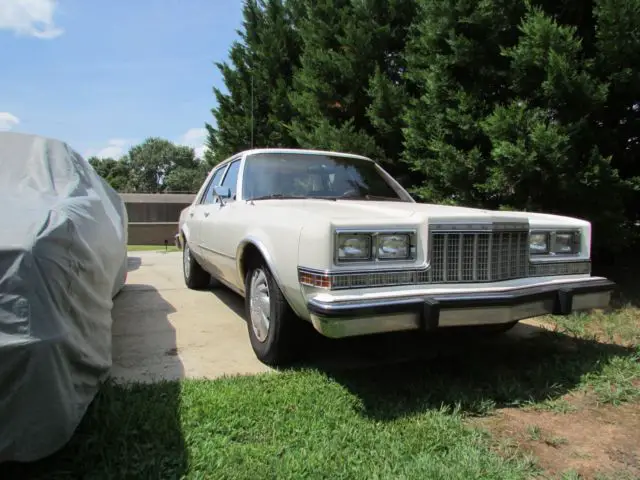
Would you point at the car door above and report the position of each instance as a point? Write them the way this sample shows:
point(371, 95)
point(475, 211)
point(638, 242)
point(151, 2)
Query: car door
point(215, 231)
point(199, 212)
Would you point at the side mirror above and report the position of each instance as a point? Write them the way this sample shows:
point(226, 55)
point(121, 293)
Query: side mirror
point(222, 193)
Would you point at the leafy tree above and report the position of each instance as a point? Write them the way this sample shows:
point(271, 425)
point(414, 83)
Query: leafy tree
point(617, 63)
point(116, 172)
point(156, 165)
point(183, 179)
point(258, 78)
point(153, 161)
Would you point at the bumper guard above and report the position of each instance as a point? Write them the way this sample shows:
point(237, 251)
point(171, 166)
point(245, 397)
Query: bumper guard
point(429, 312)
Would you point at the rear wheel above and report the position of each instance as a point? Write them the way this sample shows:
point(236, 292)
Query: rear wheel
point(271, 323)
point(195, 277)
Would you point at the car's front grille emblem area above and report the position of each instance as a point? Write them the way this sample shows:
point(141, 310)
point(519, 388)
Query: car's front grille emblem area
point(469, 257)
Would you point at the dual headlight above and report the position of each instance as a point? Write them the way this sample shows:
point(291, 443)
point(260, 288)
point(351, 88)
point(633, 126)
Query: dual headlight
point(362, 247)
point(554, 243)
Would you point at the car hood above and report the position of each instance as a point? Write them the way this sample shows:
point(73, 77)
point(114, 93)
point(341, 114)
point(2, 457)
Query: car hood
point(369, 210)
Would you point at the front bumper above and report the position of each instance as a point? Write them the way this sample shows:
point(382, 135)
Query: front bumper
point(338, 319)
point(177, 241)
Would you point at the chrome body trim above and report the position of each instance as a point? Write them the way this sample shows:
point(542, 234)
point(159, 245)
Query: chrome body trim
point(338, 319)
point(395, 277)
point(216, 252)
point(479, 226)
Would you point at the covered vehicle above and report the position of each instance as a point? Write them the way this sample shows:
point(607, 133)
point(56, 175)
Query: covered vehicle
point(63, 257)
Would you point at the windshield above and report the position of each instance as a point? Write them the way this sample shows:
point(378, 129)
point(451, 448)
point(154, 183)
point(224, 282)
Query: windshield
point(298, 175)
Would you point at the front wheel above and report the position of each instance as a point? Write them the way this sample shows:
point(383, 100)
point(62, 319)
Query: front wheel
point(195, 277)
point(270, 320)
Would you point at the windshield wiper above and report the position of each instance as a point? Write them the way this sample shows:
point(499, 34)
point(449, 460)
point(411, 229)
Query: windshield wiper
point(371, 197)
point(280, 196)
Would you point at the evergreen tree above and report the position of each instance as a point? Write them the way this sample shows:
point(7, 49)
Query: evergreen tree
point(508, 111)
point(256, 109)
point(349, 89)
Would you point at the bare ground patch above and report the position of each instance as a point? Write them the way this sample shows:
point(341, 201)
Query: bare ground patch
point(594, 442)
point(590, 432)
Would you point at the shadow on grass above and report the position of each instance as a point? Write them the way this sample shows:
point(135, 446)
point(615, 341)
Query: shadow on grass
point(407, 374)
point(624, 271)
point(129, 430)
point(400, 374)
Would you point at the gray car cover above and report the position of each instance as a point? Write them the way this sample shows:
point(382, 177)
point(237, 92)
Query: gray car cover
point(63, 236)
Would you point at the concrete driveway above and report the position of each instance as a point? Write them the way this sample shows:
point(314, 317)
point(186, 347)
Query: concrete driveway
point(164, 331)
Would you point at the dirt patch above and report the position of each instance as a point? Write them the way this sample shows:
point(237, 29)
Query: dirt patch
point(591, 442)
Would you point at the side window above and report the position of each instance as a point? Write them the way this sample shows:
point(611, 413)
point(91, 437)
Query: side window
point(208, 196)
point(231, 178)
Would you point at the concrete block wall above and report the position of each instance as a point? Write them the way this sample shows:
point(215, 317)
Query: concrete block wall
point(153, 217)
point(152, 233)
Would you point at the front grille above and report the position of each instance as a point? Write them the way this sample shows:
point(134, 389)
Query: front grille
point(379, 279)
point(468, 257)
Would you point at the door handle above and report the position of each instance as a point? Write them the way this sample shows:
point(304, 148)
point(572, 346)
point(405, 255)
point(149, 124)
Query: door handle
point(206, 214)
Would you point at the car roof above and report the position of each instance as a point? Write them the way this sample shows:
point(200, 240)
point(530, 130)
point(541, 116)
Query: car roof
point(301, 151)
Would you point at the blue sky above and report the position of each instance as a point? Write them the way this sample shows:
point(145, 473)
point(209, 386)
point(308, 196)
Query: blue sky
point(104, 74)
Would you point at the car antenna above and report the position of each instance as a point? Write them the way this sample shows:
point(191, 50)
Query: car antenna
point(251, 109)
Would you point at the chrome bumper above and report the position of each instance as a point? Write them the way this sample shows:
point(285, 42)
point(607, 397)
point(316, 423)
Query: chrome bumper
point(345, 319)
point(177, 241)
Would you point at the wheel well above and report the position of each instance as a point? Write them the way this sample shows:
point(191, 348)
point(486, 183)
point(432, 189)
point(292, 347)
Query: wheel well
point(251, 257)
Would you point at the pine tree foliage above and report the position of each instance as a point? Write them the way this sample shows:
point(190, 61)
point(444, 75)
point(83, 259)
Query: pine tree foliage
point(512, 100)
point(255, 110)
point(506, 104)
point(349, 89)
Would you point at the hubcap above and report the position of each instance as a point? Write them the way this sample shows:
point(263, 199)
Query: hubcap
point(260, 304)
point(186, 261)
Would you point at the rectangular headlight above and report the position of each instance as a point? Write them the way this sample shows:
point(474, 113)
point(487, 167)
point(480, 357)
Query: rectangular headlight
point(354, 247)
point(394, 247)
point(566, 243)
point(538, 243)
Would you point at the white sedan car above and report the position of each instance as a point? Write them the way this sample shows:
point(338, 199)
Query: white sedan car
point(332, 239)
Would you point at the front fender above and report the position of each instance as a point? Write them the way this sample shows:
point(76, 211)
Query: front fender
point(183, 226)
point(281, 258)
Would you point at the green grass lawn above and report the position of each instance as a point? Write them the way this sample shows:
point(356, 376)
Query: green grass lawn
point(294, 425)
point(152, 248)
point(414, 419)
point(405, 420)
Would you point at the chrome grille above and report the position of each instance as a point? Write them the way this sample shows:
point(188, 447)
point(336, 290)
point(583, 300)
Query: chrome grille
point(468, 257)
point(565, 268)
point(379, 279)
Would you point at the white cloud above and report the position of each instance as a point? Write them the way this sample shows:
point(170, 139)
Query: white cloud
point(30, 17)
point(118, 147)
point(8, 121)
point(115, 148)
point(195, 138)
